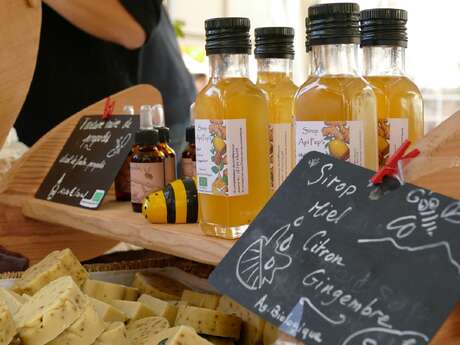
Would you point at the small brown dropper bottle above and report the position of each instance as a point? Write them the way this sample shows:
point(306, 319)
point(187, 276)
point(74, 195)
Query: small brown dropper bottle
point(170, 155)
point(188, 163)
point(123, 180)
point(146, 167)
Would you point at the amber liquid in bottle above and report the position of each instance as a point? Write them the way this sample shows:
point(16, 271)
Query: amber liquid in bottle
point(399, 101)
point(275, 78)
point(188, 163)
point(335, 109)
point(170, 155)
point(230, 95)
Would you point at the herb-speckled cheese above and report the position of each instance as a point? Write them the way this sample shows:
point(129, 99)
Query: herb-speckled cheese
point(114, 334)
point(56, 265)
point(182, 335)
point(7, 326)
point(209, 322)
point(50, 312)
point(143, 332)
point(159, 307)
point(12, 300)
point(133, 310)
point(84, 331)
point(158, 286)
point(106, 311)
point(107, 292)
point(253, 326)
point(201, 300)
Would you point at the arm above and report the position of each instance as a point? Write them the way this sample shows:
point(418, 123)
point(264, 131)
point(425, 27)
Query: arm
point(107, 20)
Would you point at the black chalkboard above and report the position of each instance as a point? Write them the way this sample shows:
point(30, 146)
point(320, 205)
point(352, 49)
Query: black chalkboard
point(333, 260)
point(89, 161)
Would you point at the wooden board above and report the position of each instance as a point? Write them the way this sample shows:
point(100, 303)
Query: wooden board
point(19, 40)
point(35, 239)
point(117, 221)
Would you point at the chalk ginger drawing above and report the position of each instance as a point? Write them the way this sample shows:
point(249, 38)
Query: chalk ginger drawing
point(427, 217)
point(259, 263)
point(371, 336)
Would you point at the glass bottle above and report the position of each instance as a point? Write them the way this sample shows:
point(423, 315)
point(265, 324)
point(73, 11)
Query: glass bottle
point(188, 163)
point(275, 53)
point(123, 180)
point(335, 109)
point(231, 134)
point(399, 101)
point(170, 155)
point(146, 167)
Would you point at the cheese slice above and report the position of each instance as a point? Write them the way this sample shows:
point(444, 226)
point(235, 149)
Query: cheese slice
point(50, 312)
point(209, 322)
point(133, 310)
point(143, 332)
point(12, 300)
point(114, 334)
point(178, 304)
point(158, 286)
point(84, 331)
point(219, 340)
point(106, 311)
point(201, 300)
point(159, 307)
point(109, 291)
point(7, 326)
point(182, 335)
point(56, 265)
point(253, 326)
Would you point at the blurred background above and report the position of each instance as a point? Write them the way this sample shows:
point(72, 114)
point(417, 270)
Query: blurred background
point(432, 58)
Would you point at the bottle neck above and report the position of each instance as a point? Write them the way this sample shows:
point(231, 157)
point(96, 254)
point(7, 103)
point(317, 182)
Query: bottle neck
point(334, 59)
point(267, 67)
point(228, 66)
point(383, 60)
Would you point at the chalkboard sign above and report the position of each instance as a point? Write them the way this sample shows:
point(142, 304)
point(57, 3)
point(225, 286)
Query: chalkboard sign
point(333, 260)
point(89, 161)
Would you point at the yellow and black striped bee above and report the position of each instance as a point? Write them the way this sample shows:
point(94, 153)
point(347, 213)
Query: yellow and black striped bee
point(177, 203)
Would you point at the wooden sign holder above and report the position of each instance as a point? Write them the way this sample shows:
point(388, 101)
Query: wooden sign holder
point(26, 223)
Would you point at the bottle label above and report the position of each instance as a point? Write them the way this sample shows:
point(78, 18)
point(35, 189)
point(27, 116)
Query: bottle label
point(392, 134)
point(188, 167)
point(221, 157)
point(281, 155)
point(340, 139)
point(170, 169)
point(145, 179)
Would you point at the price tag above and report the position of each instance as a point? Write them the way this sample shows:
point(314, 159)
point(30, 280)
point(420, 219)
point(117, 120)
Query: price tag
point(89, 161)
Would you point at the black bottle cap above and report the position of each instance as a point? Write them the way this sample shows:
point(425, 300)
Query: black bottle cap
point(274, 42)
point(307, 35)
point(146, 137)
point(384, 27)
point(163, 133)
point(190, 134)
point(228, 36)
point(336, 23)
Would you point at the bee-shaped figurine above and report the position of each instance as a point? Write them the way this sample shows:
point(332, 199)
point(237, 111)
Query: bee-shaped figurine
point(177, 203)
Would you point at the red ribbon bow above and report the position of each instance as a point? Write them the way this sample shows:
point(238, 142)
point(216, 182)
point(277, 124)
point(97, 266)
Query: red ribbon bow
point(108, 108)
point(391, 166)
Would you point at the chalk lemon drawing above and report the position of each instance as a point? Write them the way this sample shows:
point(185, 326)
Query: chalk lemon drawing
point(337, 137)
point(259, 263)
